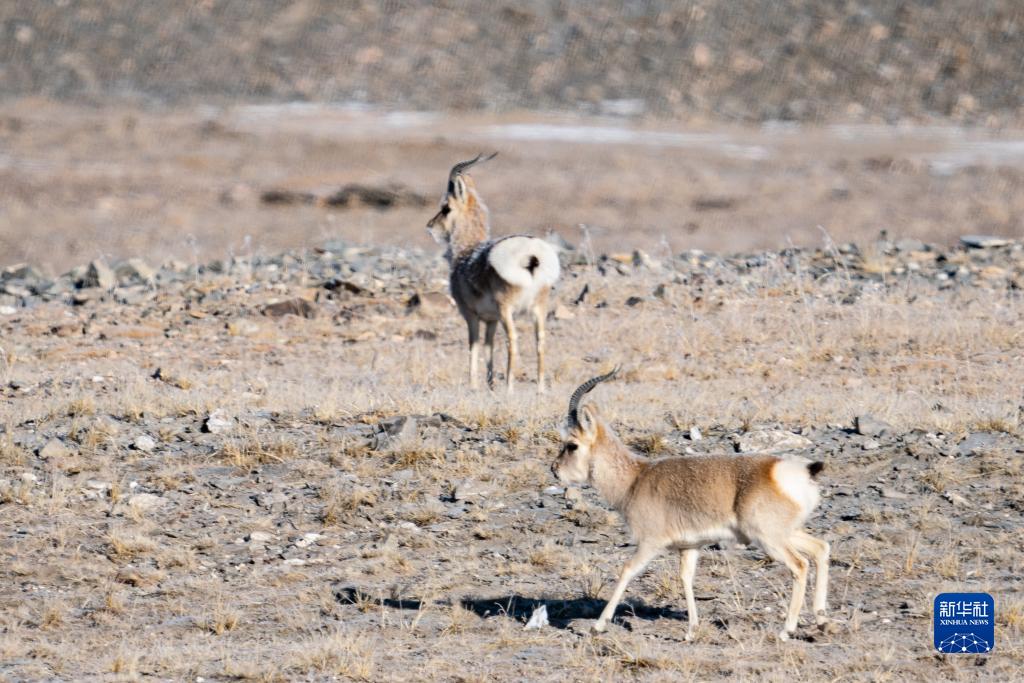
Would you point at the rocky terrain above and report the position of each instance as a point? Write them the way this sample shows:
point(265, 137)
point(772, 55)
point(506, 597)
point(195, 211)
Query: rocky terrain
point(721, 60)
point(270, 467)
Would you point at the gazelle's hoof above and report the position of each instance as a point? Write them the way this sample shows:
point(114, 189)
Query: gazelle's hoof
point(598, 627)
point(784, 635)
point(689, 636)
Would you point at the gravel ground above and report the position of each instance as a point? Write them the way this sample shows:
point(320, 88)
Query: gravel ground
point(268, 468)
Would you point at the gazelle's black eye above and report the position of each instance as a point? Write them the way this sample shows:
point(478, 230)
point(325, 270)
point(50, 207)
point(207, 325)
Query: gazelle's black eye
point(571, 447)
point(445, 210)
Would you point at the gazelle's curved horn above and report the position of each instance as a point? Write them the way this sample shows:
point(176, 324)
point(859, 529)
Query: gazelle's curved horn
point(460, 168)
point(585, 388)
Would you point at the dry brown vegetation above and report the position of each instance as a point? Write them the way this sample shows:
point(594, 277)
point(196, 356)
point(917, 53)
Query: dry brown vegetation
point(300, 543)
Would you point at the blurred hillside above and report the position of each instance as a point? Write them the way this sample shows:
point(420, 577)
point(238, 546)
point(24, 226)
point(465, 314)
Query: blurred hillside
point(732, 60)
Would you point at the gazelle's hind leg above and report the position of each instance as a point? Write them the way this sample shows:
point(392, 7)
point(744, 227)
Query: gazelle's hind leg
point(540, 312)
point(474, 349)
point(489, 327)
point(785, 552)
point(819, 550)
point(513, 351)
point(687, 568)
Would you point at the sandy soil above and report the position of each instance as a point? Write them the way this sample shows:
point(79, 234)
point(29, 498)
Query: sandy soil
point(79, 183)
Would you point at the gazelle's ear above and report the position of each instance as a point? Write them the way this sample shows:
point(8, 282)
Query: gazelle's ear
point(588, 420)
point(459, 187)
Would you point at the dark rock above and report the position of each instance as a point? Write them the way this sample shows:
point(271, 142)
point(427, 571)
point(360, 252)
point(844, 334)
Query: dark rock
point(868, 425)
point(977, 442)
point(298, 307)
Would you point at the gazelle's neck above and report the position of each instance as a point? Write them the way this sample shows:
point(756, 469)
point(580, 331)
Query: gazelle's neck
point(472, 226)
point(615, 469)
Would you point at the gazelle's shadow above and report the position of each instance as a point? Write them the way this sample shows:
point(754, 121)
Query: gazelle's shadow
point(562, 612)
point(520, 608)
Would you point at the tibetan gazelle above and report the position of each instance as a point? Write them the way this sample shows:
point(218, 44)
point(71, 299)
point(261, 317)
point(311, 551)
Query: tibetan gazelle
point(492, 280)
point(685, 503)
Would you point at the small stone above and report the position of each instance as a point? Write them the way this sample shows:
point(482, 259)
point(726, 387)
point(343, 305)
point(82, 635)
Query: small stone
point(295, 562)
point(634, 300)
point(144, 443)
point(871, 445)
point(134, 271)
point(908, 244)
point(297, 307)
point(562, 312)
point(396, 430)
point(956, 499)
point(269, 500)
point(429, 303)
point(242, 327)
point(259, 537)
point(771, 440)
point(573, 495)
point(983, 241)
point(469, 488)
point(695, 434)
point(29, 478)
point(99, 275)
point(218, 422)
point(308, 539)
point(976, 443)
point(868, 425)
point(554, 491)
point(54, 448)
point(538, 620)
point(8, 310)
point(145, 501)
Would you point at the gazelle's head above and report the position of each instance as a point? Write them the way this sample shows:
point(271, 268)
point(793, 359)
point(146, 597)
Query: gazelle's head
point(463, 215)
point(582, 435)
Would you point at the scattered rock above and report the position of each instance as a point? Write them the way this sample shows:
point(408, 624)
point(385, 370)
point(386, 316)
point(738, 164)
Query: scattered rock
point(695, 434)
point(469, 488)
point(396, 430)
point(144, 443)
point(308, 539)
point(868, 425)
point(429, 303)
point(983, 241)
point(270, 499)
point(259, 537)
point(99, 275)
point(871, 445)
point(770, 440)
point(976, 443)
point(144, 502)
point(134, 271)
point(956, 499)
point(218, 422)
point(562, 312)
point(389, 197)
point(286, 197)
point(54, 449)
point(298, 307)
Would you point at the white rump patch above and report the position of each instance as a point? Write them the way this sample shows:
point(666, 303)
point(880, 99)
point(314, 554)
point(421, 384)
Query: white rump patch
point(792, 476)
point(526, 262)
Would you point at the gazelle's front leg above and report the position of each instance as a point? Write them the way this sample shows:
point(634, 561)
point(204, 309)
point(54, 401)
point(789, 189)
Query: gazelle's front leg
point(513, 348)
point(474, 349)
point(634, 566)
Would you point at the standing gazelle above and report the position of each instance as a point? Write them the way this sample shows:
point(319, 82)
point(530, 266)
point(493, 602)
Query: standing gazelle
point(684, 503)
point(492, 280)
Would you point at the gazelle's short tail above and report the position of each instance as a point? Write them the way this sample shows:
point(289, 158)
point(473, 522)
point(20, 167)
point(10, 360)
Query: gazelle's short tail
point(526, 262)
